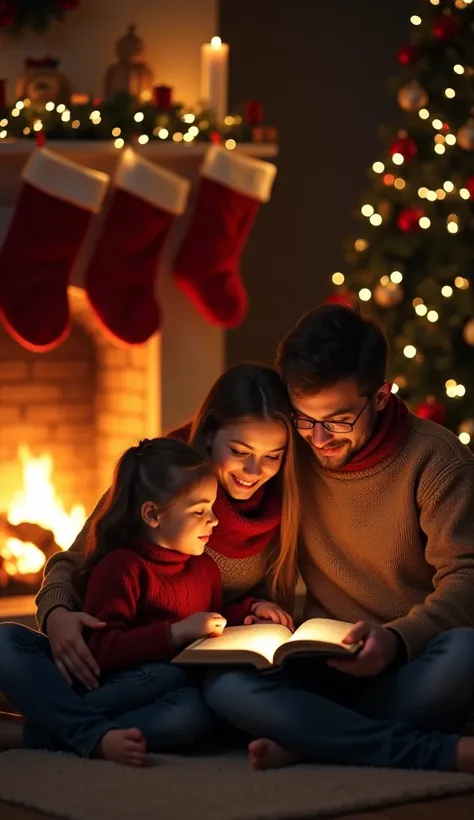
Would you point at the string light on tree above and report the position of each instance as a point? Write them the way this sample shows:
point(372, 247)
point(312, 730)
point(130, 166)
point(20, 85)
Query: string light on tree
point(389, 294)
point(466, 431)
point(412, 97)
point(465, 136)
point(468, 333)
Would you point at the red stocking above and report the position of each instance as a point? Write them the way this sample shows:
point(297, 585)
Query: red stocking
point(232, 189)
point(121, 275)
point(50, 221)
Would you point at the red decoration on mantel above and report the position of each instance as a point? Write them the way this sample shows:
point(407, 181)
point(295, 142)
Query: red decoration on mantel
point(162, 97)
point(42, 242)
point(432, 410)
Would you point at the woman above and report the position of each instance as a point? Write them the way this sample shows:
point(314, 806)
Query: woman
point(243, 427)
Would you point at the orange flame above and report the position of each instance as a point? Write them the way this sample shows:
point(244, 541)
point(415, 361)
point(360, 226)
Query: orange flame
point(37, 503)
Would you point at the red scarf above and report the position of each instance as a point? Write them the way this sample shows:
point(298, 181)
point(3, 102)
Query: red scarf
point(388, 437)
point(245, 528)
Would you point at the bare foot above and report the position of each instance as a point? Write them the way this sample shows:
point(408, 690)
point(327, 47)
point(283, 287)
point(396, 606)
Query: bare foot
point(266, 754)
point(465, 755)
point(127, 746)
point(11, 731)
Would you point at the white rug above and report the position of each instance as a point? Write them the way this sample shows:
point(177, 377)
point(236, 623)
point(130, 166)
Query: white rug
point(207, 788)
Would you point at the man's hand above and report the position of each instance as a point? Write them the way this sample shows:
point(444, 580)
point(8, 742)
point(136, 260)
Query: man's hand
point(379, 650)
point(199, 625)
point(264, 611)
point(71, 654)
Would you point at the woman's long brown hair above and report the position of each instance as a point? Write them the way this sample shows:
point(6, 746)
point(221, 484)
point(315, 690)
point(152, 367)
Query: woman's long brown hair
point(253, 391)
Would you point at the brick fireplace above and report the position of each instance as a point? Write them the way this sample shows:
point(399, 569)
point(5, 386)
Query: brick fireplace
point(79, 406)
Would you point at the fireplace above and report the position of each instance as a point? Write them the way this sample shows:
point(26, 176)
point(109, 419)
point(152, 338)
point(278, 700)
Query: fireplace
point(65, 417)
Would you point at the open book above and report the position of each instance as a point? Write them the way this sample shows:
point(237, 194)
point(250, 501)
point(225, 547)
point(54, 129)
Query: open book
point(269, 645)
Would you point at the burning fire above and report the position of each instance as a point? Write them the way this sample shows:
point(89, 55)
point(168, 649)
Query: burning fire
point(37, 503)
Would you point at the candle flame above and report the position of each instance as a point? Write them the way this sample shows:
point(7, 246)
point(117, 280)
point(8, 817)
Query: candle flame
point(216, 42)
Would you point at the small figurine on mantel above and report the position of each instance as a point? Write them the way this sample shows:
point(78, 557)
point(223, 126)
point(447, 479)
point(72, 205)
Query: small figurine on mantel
point(41, 82)
point(130, 73)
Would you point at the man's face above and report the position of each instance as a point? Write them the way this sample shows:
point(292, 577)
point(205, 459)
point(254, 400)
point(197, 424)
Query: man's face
point(339, 403)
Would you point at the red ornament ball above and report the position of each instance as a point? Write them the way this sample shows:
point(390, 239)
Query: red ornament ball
point(408, 55)
point(469, 184)
point(432, 410)
point(445, 27)
point(408, 220)
point(341, 298)
point(7, 12)
point(404, 146)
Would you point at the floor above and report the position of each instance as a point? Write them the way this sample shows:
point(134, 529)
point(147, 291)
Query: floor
point(460, 808)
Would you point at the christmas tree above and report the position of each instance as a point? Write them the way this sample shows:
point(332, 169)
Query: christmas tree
point(411, 263)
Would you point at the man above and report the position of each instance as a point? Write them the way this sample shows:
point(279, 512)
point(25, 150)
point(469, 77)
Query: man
point(387, 544)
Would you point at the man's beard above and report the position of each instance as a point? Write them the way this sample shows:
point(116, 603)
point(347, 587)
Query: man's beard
point(340, 457)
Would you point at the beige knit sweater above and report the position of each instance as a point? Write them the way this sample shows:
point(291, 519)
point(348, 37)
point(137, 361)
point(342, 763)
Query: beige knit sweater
point(394, 543)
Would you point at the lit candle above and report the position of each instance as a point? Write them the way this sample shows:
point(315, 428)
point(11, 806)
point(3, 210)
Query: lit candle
point(214, 72)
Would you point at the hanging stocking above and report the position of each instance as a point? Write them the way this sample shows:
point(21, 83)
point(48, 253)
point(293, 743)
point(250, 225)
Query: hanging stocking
point(207, 266)
point(50, 221)
point(121, 275)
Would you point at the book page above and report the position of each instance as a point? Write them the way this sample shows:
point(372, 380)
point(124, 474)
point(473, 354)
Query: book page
point(262, 639)
point(322, 629)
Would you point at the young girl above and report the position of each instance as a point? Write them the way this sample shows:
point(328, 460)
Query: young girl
point(243, 428)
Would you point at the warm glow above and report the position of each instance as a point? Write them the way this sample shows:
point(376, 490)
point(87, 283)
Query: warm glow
point(409, 351)
point(378, 167)
point(365, 294)
point(230, 144)
point(424, 222)
point(396, 277)
point(458, 68)
point(139, 116)
point(399, 184)
point(449, 93)
point(438, 124)
point(398, 159)
point(338, 278)
point(421, 310)
point(461, 282)
point(395, 388)
point(361, 245)
point(423, 113)
point(415, 20)
point(446, 291)
point(464, 438)
point(448, 186)
point(37, 502)
point(375, 220)
point(450, 139)
point(423, 192)
point(432, 316)
point(464, 193)
point(450, 383)
point(367, 210)
point(452, 227)
point(440, 149)
point(216, 43)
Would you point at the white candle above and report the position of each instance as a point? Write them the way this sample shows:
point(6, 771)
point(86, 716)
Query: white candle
point(214, 74)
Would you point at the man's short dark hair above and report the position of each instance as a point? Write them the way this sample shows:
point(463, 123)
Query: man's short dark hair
point(330, 344)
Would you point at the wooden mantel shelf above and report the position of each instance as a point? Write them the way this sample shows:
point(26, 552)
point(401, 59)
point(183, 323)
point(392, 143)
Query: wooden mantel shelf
point(154, 150)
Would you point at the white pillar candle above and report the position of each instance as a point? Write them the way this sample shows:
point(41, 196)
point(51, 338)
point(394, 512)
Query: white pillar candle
point(214, 76)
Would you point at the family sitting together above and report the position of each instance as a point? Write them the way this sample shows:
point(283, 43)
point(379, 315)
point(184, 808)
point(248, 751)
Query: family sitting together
point(315, 469)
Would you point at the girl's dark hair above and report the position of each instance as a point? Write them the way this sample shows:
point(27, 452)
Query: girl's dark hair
point(329, 344)
point(243, 393)
point(161, 470)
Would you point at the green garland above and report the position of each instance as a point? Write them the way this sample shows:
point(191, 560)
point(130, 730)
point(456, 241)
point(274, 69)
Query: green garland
point(37, 14)
point(123, 119)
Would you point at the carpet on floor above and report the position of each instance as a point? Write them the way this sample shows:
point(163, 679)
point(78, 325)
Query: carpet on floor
point(214, 787)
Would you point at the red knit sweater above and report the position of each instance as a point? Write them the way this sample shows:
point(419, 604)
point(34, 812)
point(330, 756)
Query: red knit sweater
point(139, 592)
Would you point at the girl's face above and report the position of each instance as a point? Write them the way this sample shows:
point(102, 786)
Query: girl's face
point(247, 454)
point(186, 525)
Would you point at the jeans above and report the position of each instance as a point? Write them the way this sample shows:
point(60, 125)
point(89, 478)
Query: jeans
point(390, 720)
point(154, 698)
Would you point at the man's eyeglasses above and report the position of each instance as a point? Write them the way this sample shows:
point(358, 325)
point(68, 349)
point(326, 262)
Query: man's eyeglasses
point(305, 423)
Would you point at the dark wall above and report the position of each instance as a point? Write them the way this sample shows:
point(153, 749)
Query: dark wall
point(321, 70)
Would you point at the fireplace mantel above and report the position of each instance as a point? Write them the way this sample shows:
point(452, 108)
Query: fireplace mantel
point(160, 151)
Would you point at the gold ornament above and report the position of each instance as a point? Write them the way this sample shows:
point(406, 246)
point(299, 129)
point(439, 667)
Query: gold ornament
point(465, 136)
point(130, 73)
point(467, 426)
point(389, 295)
point(468, 332)
point(412, 97)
